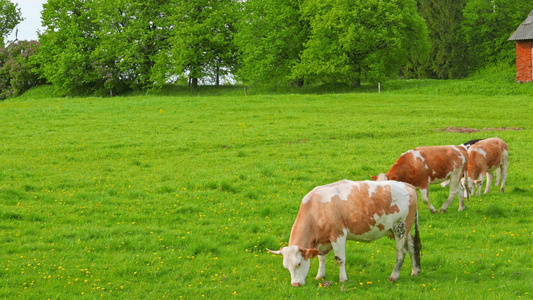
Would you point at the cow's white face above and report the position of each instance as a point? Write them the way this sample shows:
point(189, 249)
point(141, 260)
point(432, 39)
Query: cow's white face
point(472, 185)
point(297, 265)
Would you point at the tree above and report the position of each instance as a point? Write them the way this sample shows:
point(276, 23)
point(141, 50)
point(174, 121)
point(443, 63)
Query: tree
point(10, 16)
point(447, 54)
point(105, 47)
point(134, 42)
point(486, 27)
point(202, 38)
point(356, 40)
point(67, 47)
point(271, 39)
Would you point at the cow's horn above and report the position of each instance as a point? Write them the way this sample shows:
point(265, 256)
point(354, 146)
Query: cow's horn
point(274, 252)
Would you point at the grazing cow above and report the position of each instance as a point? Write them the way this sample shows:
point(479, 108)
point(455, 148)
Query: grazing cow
point(426, 165)
point(350, 210)
point(483, 158)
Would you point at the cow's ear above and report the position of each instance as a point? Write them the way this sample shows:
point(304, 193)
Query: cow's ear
point(374, 177)
point(309, 253)
point(478, 182)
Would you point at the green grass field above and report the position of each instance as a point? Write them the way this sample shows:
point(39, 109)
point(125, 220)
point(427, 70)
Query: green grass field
point(177, 195)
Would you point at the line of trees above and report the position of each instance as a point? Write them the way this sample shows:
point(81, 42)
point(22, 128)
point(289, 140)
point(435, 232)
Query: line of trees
point(110, 46)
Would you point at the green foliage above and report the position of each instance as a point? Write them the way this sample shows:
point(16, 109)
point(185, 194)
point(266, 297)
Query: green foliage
point(486, 27)
point(10, 16)
point(356, 40)
point(67, 46)
point(202, 38)
point(102, 47)
point(95, 203)
point(271, 38)
point(447, 55)
point(17, 69)
point(134, 43)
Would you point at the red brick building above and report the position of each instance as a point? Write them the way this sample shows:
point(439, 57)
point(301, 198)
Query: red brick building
point(524, 50)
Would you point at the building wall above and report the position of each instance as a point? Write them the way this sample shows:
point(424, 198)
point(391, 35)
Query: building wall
point(524, 61)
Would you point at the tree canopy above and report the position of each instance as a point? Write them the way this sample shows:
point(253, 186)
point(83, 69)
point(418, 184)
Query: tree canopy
point(106, 47)
point(359, 40)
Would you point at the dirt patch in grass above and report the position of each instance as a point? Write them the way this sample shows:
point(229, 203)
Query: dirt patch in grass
point(470, 130)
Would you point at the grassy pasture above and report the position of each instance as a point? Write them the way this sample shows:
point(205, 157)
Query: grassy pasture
point(165, 196)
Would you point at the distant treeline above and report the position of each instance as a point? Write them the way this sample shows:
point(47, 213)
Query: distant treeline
point(110, 46)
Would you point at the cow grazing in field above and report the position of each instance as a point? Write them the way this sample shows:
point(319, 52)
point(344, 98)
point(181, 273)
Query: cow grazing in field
point(349, 210)
point(426, 165)
point(484, 157)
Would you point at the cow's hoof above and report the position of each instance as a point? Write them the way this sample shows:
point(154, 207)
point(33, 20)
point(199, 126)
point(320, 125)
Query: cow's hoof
point(392, 279)
point(442, 211)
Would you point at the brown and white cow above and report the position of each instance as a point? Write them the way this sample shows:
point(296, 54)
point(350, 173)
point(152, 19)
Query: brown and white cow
point(350, 210)
point(427, 165)
point(484, 157)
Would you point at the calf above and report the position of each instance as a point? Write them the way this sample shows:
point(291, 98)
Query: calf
point(426, 165)
point(484, 157)
point(349, 210)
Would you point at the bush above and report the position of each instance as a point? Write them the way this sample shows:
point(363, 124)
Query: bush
point(17, 70)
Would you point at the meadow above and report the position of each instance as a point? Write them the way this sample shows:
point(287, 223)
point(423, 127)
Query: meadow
point(178, 194)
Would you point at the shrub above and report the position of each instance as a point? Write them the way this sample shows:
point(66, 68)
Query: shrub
point(17, 70)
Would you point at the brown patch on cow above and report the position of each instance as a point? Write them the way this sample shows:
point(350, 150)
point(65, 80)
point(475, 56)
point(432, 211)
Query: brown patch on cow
point(381, 227)
point(362, 208)
point(470, 130)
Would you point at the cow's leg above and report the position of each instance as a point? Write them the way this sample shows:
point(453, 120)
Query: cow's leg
point(490, 178)
point(415, 267)
point(339, 248)
point(424, 193)
point(481, 178)
point(503, 167)
point(455, 187)
point(400, 237)
point(321, 267)
point(498, 176)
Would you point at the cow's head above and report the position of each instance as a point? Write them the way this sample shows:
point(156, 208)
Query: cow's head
point(297, 260)
point(471, 184)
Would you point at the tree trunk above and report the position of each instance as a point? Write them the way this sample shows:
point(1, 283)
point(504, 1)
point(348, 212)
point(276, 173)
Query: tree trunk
point(194, 83)
point(217, 76)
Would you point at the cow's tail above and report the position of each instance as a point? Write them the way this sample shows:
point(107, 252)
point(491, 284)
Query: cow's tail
point(418, 244)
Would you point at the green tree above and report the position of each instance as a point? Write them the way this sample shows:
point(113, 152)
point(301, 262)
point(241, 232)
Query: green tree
point(271, 39)
point(357, 40)
point(10, 16)
point(202, 38)
point(486, 27)
point(447, 54)
point(134, 43)
point(67, 47)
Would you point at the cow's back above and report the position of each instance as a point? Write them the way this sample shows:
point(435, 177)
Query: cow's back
point(424, 165)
